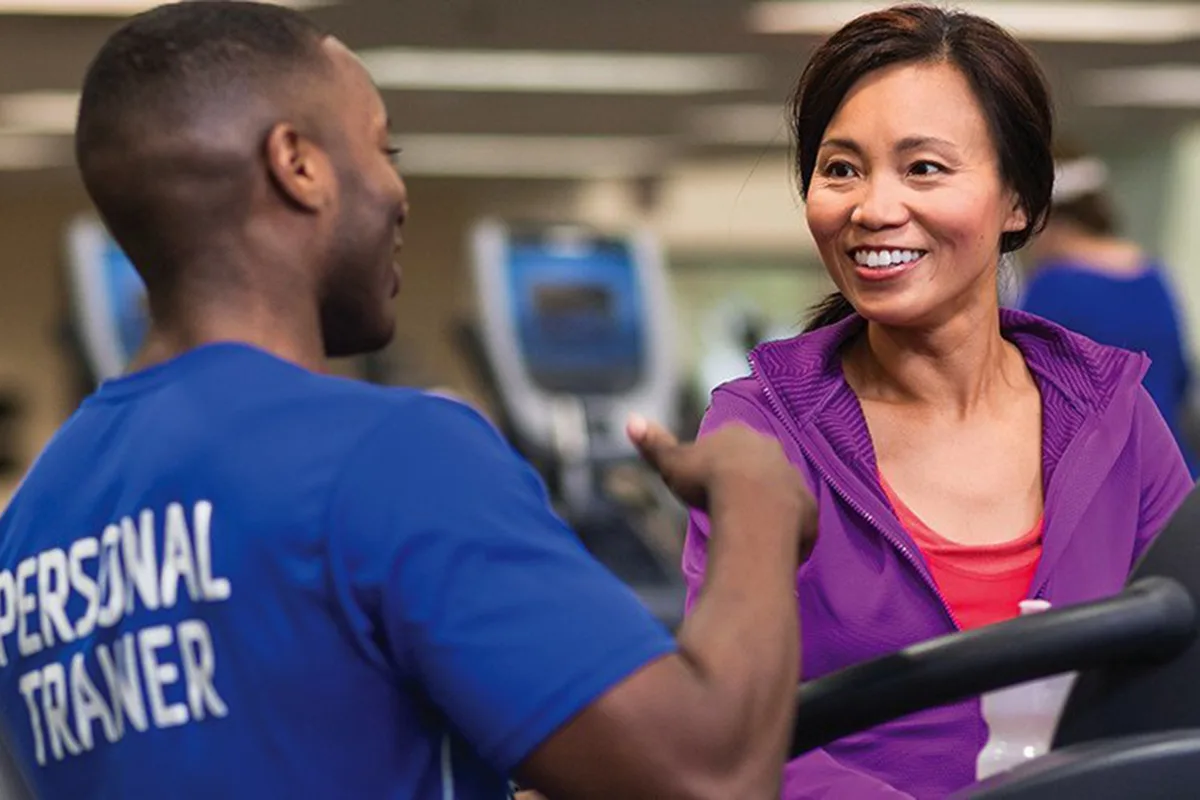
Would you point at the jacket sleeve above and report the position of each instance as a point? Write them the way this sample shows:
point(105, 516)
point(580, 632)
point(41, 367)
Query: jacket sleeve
point(815, 775)
point(1166, 480)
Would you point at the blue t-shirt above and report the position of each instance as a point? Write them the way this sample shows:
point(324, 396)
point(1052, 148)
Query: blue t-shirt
point(1134, 312)
point(229, 577)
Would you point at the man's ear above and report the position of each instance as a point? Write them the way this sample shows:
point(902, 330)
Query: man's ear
point(299, 168)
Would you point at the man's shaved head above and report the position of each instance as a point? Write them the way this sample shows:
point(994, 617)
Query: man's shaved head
point(242, 159)
point(173, 108)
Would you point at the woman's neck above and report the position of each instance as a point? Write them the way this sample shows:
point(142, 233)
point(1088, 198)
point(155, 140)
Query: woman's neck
point(953, 369)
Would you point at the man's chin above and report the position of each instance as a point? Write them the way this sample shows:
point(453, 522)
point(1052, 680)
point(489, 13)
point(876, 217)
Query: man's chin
point(359, 343)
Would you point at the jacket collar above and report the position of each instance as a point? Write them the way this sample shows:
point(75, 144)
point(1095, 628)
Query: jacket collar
point(1084, 372)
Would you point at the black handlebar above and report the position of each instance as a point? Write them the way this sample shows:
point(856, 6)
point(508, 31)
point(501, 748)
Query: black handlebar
point(1153, 620)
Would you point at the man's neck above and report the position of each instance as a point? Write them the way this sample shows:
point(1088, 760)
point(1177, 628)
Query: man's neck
point(294, 336)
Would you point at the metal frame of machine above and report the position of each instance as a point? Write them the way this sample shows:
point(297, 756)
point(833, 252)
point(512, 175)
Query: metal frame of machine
point(576, 429)
point(93, 271)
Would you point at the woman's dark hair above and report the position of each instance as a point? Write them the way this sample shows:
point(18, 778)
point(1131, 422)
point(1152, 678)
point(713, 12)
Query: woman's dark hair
point(1003, 74)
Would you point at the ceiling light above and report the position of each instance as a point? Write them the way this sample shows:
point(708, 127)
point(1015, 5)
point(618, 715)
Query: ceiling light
point(469, 155)
point(740, 124)
point(534, 71)
point(39, 112)
point(21, 152)
point(1127, 22)
point(1162, 86)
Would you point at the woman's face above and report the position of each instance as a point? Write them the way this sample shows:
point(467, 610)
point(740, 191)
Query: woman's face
point(906, 204)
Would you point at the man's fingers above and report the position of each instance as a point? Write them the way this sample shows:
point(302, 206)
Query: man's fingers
point(635, 428)
point(675, 463)
point(655, 443)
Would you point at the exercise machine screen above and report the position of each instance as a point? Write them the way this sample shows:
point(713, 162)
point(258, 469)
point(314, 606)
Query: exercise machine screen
point(578, 313)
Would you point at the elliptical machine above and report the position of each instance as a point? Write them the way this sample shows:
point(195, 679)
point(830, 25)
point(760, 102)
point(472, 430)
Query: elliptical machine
point(574, 334)
point(1130, 727)
point(109, 317)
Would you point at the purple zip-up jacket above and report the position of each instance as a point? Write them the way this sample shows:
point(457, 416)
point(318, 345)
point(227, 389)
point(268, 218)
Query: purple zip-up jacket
point(1113, 477)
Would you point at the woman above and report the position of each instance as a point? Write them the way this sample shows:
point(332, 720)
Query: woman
point(1092, 281)
point(964, 458)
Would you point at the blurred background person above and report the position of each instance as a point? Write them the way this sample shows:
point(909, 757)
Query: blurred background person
point(1087, 277)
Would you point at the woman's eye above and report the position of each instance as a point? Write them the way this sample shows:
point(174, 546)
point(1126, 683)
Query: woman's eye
point(838, 169)
point(927, 168)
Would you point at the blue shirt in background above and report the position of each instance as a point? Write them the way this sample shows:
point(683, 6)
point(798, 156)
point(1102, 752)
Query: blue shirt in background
point(229, 577)
point(1134, 312)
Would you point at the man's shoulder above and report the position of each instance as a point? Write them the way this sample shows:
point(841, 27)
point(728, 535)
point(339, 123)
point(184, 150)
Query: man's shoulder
point(348, 404)
point(400, 430)
point(402, 407)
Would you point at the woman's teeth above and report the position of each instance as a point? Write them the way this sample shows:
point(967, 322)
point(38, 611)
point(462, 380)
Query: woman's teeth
point(886, 258)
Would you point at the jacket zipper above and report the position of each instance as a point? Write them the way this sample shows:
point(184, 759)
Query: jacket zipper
point(777, 410)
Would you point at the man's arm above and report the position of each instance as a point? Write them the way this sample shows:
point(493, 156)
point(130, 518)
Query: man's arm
point(712, 720)
point(536, 654)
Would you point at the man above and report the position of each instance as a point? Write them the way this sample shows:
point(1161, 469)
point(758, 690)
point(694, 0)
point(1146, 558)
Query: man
point(230, 575)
